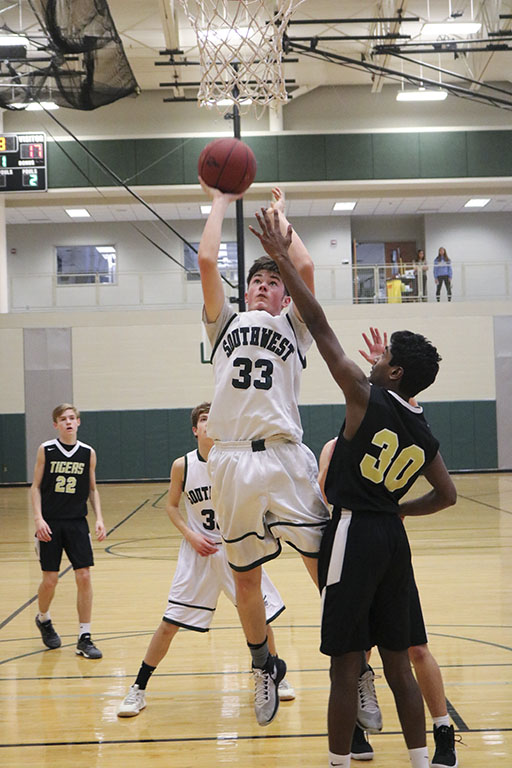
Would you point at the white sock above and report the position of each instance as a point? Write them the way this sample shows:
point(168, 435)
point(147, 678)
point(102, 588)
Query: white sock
point(84, 629)
point(419, 757)
point(340, 761)
point(44, 616)
point(444, 720)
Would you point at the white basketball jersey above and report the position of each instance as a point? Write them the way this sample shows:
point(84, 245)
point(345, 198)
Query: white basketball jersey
point(198, 504)
point(257, 359)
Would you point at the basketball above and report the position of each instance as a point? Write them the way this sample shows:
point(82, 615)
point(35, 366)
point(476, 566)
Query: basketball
point(228, 165)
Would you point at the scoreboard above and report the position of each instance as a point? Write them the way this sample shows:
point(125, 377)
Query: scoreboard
point(23, 162)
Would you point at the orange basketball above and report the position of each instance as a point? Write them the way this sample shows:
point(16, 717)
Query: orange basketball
point(227, 164)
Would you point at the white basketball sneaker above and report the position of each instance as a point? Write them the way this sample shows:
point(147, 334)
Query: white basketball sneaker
point(133, 702)
point(285, 691)
point(369, 716)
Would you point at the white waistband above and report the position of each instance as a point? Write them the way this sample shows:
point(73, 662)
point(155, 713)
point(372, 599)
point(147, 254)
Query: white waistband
point(251, 445)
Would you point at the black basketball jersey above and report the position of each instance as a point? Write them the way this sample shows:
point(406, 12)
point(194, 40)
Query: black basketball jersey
point(66, 480)
point(377, 467)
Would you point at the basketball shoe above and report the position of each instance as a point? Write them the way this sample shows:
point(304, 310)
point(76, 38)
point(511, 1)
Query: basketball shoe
point(285, 691)
point(48, 634)
point(361, 749)
point(266, 682)
point(85, 647)
point(445, 754)
point(133, 702)
point(369, 716)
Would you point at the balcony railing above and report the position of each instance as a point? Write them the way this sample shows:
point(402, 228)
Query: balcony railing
point(343, 284)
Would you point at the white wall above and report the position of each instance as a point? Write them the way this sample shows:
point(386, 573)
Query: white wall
point(474, 242)
point(138, 360)
point(328, 108)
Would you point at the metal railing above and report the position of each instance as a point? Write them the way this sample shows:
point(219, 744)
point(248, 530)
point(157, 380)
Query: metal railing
point(368, 284)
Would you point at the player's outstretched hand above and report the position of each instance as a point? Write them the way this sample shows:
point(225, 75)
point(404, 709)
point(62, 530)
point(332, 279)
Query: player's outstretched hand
point(213, 192)
point(376, 346)
point(271, 238)
point(202, 545)
point(278, 202)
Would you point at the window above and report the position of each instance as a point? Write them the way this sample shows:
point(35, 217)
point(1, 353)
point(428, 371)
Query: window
point(86, 264)
point(227, 261)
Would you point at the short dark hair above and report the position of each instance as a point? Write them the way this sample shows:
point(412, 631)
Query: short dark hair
point(198, 411)
point(419, 359)
point(264, 263)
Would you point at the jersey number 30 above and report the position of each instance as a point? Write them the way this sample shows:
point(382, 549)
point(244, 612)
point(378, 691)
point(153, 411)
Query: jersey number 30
point(262, 375)
point(396, 471)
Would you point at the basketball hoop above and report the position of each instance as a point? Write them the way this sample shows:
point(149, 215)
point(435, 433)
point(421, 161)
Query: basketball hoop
point(240, 46)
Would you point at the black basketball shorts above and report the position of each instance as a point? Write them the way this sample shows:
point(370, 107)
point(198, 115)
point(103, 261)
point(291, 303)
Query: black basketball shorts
point(72, 537)
point(367, 582)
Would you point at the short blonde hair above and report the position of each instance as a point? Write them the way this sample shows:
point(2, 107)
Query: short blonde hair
point(59, 410)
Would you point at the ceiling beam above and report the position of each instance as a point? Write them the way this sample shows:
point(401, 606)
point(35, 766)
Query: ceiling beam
point(388, 8)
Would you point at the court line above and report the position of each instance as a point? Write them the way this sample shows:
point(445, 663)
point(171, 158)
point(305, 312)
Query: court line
point(302, 670)
point(63, 573)
point(484, 504)
point(457, 719)
point(218, 738)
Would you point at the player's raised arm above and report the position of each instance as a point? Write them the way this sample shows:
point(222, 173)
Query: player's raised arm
point(211, 281)
point(297, 251)
point(347, 374)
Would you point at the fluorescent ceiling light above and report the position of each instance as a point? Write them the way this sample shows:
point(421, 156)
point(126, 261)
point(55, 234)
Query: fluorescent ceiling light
point(226, 34)
point(477, 202)
point(105, 249)
point(13, 40)
point(228, 102)
point(459, 28)
point(341, 206)
point(78, 213)
point(34, 106)
point(206, 209)
point(422, 94)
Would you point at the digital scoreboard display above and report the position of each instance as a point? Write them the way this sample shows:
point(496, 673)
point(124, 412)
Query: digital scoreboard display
point(23, 162)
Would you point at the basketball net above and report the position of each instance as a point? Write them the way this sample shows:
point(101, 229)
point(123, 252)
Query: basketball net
point(240, 46)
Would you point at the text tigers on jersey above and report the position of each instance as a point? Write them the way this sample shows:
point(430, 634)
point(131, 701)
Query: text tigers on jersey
point(67, 467)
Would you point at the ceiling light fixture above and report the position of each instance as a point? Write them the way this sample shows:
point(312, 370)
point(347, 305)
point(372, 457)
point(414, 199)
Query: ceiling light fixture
point(477, 202)
point(422, 94)
point(78, 213)
point(458, 28)
point(205, 209)
point(34, 106)
point(8, 40)
point(344, 206)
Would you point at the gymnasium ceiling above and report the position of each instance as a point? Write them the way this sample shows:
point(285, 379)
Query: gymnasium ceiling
point(148, 27)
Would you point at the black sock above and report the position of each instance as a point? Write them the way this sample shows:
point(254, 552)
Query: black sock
point(145, 673)
point(260, 654)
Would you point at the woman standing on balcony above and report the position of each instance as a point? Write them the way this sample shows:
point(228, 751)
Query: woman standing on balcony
point(443, 273)
point(420, 270)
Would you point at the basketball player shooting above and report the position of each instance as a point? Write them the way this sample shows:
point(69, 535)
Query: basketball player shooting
point(264, 485)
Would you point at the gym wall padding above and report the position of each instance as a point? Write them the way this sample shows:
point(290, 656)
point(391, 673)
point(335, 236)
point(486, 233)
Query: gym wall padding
point(294, 157)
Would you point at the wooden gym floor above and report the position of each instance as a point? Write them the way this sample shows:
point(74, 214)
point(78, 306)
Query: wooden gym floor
point(59, 709)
